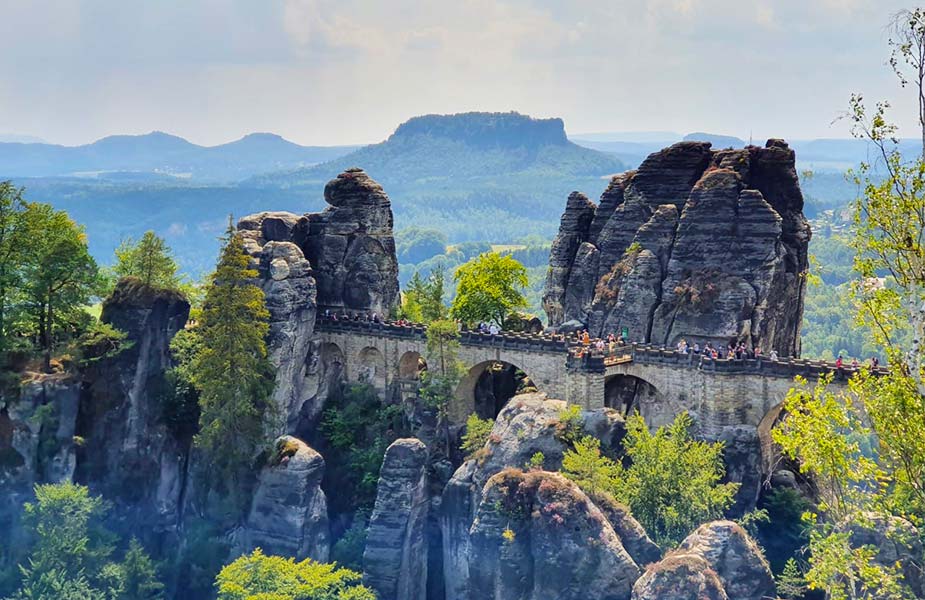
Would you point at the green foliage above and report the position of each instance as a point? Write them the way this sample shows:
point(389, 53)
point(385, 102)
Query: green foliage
point(585, 465)
point(348, 550)
point(14, 236)
point(791, 583)
point(416, 244)
point(179, 397)
point(149, 260)
point(673, 482)
point(785, 533)
point(70, 551)
point(256, 576)
point(232, 372)
point(357, 430)
point(536, 461)
point(57, 272)
point(101, 341)
point(422, 299)
point(476, 435)
point(569, 426)
point(488, 288)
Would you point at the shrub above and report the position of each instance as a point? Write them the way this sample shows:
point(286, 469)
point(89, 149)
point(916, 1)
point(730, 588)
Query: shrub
point(478, 433)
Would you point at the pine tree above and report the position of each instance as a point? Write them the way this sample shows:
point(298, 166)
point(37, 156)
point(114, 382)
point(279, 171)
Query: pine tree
point(150, 260)
point(139, 575)
point(232, 371)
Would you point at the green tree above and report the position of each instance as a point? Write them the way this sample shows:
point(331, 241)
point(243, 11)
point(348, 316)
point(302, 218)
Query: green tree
point(476, 436)
point(673, 483)
point(257, 576)
point(422, 299)
point(137, 575)
point(488, 288)
point(232, 372)
point(14, 243)
point(59, 274)
point(592, 471)
point(149, 260)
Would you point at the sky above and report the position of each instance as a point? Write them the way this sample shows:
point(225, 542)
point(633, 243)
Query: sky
point(326, 72)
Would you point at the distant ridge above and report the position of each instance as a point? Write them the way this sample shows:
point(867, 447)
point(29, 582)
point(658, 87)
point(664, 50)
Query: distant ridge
point(719, 141)
point(165, 154)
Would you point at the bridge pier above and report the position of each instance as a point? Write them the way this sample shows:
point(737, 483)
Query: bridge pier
point(584, 385)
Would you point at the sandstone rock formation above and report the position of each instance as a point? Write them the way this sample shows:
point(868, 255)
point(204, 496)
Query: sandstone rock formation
point(679, 577)
point(289, 289)
point(340, 259)
point(396, 555)
point(734, 557)
point(289, 512)
point(698, 244)
point(130, 456)
point(537, 535)
point(525, 426)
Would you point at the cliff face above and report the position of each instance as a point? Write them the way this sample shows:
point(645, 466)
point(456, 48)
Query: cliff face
point(130, 455)
point(339, 259)
point(698, 244)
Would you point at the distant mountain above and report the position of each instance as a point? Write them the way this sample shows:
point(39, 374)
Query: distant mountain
point(718, 141)
point(463, 150)
point(162, 153)
point(639, 137)
point(20, 139)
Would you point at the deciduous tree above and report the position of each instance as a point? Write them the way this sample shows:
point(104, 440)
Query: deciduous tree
point(489, 287)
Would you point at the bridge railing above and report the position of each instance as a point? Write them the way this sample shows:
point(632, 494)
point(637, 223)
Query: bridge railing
point(507, 340)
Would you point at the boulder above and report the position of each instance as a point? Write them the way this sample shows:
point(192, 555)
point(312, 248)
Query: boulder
point(679, 576)
point(537, 535)
point(289, 512)
point(396, 555)
point(698, 244)
point(735, 558)
point(528, 423)
point(631, 533)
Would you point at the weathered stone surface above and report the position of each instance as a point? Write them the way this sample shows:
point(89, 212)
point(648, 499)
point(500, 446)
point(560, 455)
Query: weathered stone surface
point(525, 426)
point(537, 535)
point(897, 542)
point(285, 276)
point(679, 576)
point(350, 245)
point(726, 263)
point(129, 455)
point(289, 514)
point(742, 456)
point(735, 558)
point(395, 559)
point(631, 533)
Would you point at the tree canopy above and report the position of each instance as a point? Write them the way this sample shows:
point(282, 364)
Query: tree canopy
point(257, 576)
point(489, 287)
point(149, 260)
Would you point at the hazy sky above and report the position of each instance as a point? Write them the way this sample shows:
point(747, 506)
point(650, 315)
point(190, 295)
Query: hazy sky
point(348, 71)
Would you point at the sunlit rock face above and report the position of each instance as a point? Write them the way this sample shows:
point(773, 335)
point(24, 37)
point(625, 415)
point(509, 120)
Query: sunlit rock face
point(129, 453)
point(341, 259)
point(701, 244)
point(289, 512)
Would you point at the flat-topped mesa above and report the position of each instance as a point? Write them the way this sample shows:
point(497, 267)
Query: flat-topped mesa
point(700, 244)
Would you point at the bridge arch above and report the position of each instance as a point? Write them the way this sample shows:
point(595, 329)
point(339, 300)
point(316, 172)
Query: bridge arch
point(628, 393)
point(486, 387)
point(370, 368)
point(333, 360)
point(411, 365)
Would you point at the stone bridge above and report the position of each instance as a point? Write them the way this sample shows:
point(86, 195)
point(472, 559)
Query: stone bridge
point(660, 383)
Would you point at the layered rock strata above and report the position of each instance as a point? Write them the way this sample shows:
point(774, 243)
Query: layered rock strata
point(130, 455)
point(289, 511)
point(706, 245)
point(396, 556)
point(341, 259)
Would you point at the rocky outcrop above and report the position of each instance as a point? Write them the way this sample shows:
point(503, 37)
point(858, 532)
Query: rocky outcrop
point(537, 535)
point(350, 245)
point(289, 290)
point(631, 533)
point(289, 511)
point(742, 455)
point(528, 423)
point(395, 559)
point(699, 244)
point(341, 259)
point(897, 543)
point(734, 557)
point(679, 576)
point(129, 454)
